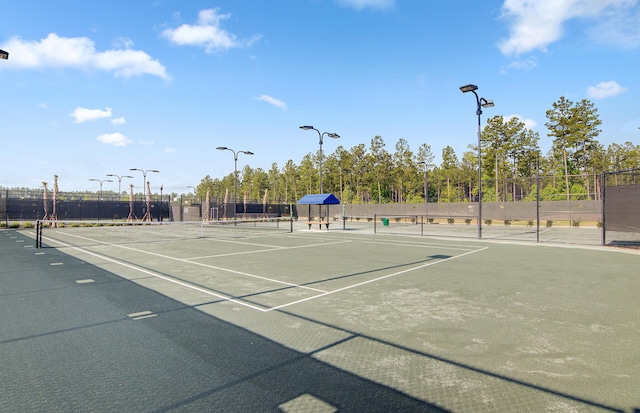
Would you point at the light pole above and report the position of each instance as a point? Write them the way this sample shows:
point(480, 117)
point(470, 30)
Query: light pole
point(101, 181)
point(194, 193)
point(100, 196)
point(426, 186)
point(235, 172)
point(320, 135)
point(120, 182)
point(144, 178)
point(481, 103)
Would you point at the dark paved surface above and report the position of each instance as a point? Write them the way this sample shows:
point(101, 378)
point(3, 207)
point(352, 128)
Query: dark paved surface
point(67, 344)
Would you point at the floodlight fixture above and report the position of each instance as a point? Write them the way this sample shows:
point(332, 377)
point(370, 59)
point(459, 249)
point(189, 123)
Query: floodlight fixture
point(235, 172)
point(320, 139)
point(486, 103)
point(120, 181)
point(144, 176)
point(480, 103)
point(468, 88)
point(4, 55)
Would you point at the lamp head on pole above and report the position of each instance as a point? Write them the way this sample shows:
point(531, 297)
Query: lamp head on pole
point(4, 55)
point(306, 127)
point(222, 148)
point(247, 152)
point(333, 135)
point(468, 88)
point(486, 103)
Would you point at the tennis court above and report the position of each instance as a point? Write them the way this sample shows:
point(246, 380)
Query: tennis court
point(463, 325)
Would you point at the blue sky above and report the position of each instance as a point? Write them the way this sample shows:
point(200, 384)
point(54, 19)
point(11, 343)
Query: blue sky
point(95, 88)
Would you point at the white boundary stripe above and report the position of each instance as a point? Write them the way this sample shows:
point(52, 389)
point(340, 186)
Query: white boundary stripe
point(254, 307)
point(153, 274)
point(274, 248)
point(375, 279)
point(213, 267)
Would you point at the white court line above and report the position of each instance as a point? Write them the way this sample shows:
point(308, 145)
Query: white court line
point(420, 245)
point(373, 280)
point(268, 250)
point(213, 267)
point(242, 303)
point(415, 242)
point(153, 274)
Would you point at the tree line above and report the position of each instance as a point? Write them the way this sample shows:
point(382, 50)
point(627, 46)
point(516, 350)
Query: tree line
point(510, 159)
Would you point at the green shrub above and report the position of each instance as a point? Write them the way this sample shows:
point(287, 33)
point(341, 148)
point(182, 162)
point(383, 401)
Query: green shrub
point(549, 223)
point(599, 224)
point(575, 223)
point(467, 221)
point(488, 221)
point(14, 225)
point(529, 223)
point(430, 220)
point(451, 220)
point(507, 222)
point(28, 224)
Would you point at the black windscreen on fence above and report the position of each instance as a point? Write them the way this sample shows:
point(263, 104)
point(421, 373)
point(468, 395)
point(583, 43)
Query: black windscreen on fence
point(622, 208)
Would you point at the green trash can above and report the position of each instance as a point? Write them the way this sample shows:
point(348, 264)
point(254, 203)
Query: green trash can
point(385, 222)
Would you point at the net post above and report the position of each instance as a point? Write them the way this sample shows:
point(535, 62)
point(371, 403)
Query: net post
point(422, 225)
point(38, 232)
point(375, 219)
point(291, 224)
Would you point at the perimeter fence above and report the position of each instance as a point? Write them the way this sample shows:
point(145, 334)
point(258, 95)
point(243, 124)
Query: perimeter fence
point(17, 207)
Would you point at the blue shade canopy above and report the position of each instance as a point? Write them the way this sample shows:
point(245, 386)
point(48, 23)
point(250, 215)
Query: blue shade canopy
point(319, 199)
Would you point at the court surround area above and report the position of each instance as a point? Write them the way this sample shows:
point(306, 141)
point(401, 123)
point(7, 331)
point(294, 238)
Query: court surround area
point(457, 325)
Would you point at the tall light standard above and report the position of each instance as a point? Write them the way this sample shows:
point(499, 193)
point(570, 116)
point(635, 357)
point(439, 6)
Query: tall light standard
point(101, 181)
point(426, 186)
point(481, 103)
point(235, 171)
point(100, 196)
point(194, 193)
point(144, 178)
point(120, 182)
point(320, 135)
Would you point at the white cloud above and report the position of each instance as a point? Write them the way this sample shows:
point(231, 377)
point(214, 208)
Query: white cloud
point(538, 23)
point(115, 139)
point(206, 33)
point(273, 101)
point(119, 121)
point(605, 89)
point(42, 105)
point(80, 53)
point(363, 4)
point(85, 115)
point(169, 150)
point(528, 123)
point(143, 142)
point(122, 43)
point(526, 64)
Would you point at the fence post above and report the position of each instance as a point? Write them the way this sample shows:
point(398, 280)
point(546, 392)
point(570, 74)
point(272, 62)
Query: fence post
point(38, 233)
point(603, 186)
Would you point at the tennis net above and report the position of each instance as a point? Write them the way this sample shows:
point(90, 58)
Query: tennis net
point(68, 233)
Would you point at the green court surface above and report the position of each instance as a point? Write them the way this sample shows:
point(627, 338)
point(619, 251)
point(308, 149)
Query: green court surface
point(464, 325)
